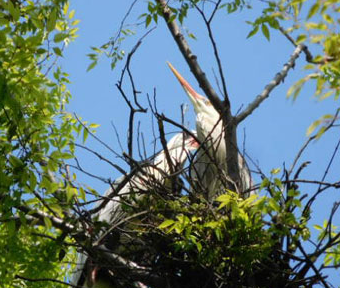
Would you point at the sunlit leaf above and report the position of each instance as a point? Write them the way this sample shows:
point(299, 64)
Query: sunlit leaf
point(166, 224)
point(313, 10)
point(301, 38)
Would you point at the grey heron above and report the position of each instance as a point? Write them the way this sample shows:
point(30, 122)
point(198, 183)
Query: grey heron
point(87, 274)
point(210, 163)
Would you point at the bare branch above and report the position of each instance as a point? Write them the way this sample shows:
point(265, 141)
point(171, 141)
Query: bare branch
point(45, 280)
point(327, 184)
point(310, 264)
point(101, 157)
point(135, 93)
point(313, 198)
point(309, 56)
point(279, 77)
point(191, 59)
point(96, 138)
point(213, 43)
point(310, 139)
point(56, 221)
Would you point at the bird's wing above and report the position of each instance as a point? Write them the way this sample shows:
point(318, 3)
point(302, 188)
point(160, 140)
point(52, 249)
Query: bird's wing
point(110, 212)
point(76, 274)
point(245, 175)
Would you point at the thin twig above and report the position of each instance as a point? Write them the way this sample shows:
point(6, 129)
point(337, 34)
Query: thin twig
point(45, 280)
point(331, 124)
point(310, 264)
point(101, 158)
point(309, 56)
point(96, 138)
point(119, 85)
point(213, 43)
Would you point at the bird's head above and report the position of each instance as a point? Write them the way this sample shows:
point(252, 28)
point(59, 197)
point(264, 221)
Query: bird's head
point(178, 147)
point(183, 142)
point(201, 104)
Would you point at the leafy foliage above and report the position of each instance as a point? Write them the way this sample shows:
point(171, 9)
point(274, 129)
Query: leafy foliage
point(233, 242)
point(36, 136)
point(241, 240)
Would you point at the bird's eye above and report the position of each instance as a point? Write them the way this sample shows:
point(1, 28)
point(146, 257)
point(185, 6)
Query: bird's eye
point(207, 102)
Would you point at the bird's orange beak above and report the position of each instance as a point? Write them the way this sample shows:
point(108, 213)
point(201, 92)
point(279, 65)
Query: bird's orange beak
point(193, 95)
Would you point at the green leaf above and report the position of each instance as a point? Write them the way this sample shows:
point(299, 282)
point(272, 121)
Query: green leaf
point(199, 246)
point(309, 66)
point(75, 22)
point(313, 10)
point(59, 37)
point(296, 88)
point(57, 51)
point(192, 36)
point(85, 134)
point(10, 225)
point(66, 6)
point(92, 65)
point(51, 21)
point(253, 32)
point(328, 259)
point(48, 223)
point(32, 180)
point(301, 38)
point(212, 224)
point(326, 95)
point(275, 171)
point(328, 18)
point(32, 201)
point(13, 10)
point(94, 125)
point(70, 193)
point(166, 223)
point(155, 18)
point(66, 155)
point(318, 227)
point(15, 162)
point(82, 193)
point(319, 26)
point(148, 20)
point(265, 183)
point(273, 205)
point(224, 198)
point(172, 18)
point(265, 31)
point(57, 209)
point(71, 15)
point(312, 127)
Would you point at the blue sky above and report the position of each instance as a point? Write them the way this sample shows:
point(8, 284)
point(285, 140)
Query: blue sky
point(274, 132)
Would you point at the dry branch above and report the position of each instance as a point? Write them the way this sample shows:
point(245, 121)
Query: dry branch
point(190, 58)
point(279, 77)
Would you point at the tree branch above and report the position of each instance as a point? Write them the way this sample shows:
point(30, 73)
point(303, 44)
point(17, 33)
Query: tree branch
point(190, 58)
point(310, 139)
point(213, 43)
point(309, 56)
point(45, 280)
point(230, 137)
point(279, 77)
point(56, 221)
